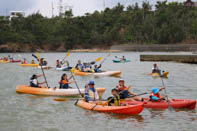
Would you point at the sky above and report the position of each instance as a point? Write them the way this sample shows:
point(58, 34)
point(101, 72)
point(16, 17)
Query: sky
point(79, 7)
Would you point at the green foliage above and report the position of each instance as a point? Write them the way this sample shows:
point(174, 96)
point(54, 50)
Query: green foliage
point(168, 23)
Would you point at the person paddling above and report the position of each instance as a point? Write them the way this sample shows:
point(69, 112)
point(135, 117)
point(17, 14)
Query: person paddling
point(125, 93)
point(97, 68)
point(155, 95)
point(90, 92)
point(156, 69)
point(123, 58)
point(58, 65)
point(32, 62)
point(115, 99)
point(43, 62)
point(79, 66)
point(34, 81)
point(24, 61)
point(64, 82)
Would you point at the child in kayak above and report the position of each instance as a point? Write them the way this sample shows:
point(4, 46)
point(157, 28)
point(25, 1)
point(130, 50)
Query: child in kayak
point(24, 61)
point(58, 65)
point(125, 93)
point(155, 95)
point(64, 82)
point(34, 81)
point(79, 66)
point(115, 100)
point(90, 92)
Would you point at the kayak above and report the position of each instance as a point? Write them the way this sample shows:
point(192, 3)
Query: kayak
point(15, 61)
point(44, 67)
point(105, 73)
point(64, 68)
point(175, 103)
point(126, 110)
point(165, 74)
point(28, 65)
point(121, 61)
point(2, 61)
point(53, 92)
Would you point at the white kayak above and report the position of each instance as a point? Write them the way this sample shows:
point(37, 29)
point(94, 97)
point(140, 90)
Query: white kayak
point(105, 73)
point(63, 68)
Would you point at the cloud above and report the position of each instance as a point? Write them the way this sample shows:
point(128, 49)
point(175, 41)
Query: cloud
point(79, 7)
point(15, 5)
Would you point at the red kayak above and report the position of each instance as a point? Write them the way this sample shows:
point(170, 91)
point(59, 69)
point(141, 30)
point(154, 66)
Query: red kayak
point(133, 109)
point(175, 103)
point(15, 61)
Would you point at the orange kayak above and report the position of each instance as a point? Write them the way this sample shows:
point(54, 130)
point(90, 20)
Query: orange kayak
point(28, 65)
point(127, 110)
point(53, 92)
point(175, 103)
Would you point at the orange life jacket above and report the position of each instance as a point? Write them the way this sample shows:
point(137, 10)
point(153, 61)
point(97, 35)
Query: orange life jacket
point(156, 95)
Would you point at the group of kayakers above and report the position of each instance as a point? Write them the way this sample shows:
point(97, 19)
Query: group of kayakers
point(86, 67)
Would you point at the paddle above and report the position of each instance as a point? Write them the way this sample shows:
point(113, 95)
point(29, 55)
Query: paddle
point(67, 54)
point(97, 60)
point(38, 59)
point(105, 58)
point(169, 106)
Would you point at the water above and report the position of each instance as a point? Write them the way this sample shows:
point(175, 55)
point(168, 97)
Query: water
point(24, 112)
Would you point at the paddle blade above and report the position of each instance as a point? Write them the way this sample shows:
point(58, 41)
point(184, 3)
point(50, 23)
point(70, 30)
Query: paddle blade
point(99, 59)
point(68, 53)
point(73, 70)
point(38, 56)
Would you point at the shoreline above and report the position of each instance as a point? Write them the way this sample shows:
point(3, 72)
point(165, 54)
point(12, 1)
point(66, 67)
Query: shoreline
point(25, 48)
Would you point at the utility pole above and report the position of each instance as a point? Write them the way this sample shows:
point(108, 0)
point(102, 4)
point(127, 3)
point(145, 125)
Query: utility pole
point(104, 4)
point(52, 9)
point(61, 8)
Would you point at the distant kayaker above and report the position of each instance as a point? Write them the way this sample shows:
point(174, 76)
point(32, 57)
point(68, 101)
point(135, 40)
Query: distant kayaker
point(32, 62)
point(155, 95)
point(97, 68)
point(156, 69)
point(79, 66)
point(58, 65)
point(125, 93)
point(43, 62)
point(90, 92)
point(24, 61)
point(34, 81)
point(64, 82)
point(115, 100)
point(123, 58)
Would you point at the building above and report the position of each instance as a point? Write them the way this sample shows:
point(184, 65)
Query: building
point(16, 14)
point(189, 3)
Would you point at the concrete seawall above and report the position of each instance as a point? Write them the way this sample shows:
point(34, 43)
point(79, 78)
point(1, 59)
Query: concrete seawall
point(177, 58)
point(157, 47)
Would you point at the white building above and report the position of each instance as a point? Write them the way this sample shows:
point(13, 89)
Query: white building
point(16, 13)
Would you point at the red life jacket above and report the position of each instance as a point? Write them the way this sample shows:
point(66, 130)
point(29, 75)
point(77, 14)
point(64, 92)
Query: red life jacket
point(121, 88)
point(156, 95)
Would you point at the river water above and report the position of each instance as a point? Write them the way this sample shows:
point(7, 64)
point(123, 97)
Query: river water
point(24, 112)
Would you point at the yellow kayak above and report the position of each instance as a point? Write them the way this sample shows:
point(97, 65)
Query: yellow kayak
point(164, 74)
point(2, 61)
point(28, 65)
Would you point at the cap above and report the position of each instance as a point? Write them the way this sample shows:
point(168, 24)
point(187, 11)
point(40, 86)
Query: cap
point(91, 83)
point(155, 90)
point(121, 80)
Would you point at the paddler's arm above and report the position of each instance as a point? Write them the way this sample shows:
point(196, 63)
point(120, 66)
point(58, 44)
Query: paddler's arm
point(162, 88)
point(40, 83)
point(39, 75)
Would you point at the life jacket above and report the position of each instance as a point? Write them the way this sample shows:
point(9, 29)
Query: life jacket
point(64, 84)
point(155, 95)
point(90, 94)
point(117, 100)
point(121, 88)
point(32, 84)
point(97, 70)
